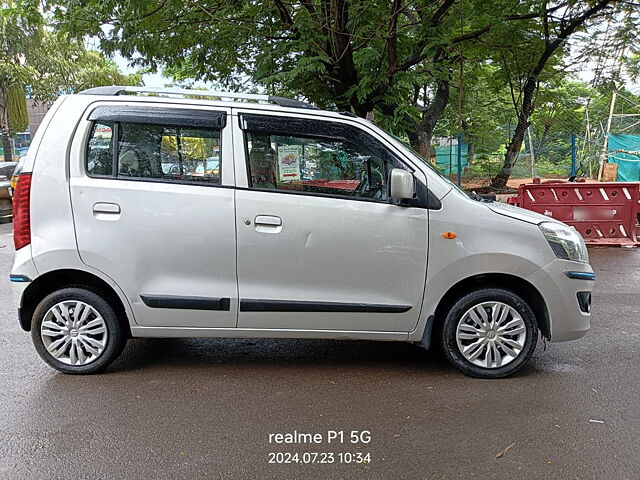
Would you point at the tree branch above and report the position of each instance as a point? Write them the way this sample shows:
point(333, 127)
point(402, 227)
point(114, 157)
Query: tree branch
point(286, 19)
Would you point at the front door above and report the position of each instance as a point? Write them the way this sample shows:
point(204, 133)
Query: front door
point(151, 211)
point(320, 245)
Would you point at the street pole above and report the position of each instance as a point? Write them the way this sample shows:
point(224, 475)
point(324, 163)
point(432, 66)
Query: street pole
point(531, 153)
point(604, 157)
point(459, 158)
point(573, 154)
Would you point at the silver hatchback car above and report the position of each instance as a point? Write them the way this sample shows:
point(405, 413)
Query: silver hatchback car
point(312, 224)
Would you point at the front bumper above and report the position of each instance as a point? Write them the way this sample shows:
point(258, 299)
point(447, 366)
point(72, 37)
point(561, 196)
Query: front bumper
point(567, 296)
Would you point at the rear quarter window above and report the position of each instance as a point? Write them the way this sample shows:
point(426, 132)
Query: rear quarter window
point(100, 150)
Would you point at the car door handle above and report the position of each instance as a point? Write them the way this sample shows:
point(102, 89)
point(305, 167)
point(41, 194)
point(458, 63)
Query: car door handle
point(108, 212)
point(268, 220)
point(106, 208)
point(268, 224)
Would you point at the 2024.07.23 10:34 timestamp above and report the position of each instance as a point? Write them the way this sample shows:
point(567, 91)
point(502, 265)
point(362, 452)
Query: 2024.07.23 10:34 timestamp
point(319, 457)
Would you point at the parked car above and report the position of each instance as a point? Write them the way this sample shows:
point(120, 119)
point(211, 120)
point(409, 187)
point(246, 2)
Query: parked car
point(210, 167)
point(401, 255)
point(6, 205)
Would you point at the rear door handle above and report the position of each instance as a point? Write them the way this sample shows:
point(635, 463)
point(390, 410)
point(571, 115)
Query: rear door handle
point(268, 220)
point(103, 207)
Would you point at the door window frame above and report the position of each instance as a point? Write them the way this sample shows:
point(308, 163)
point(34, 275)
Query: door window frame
point(176, 115)
point(393, 157)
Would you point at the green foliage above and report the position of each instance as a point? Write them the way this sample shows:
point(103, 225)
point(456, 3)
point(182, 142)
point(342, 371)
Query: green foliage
point(17, 116)
point(44, 64)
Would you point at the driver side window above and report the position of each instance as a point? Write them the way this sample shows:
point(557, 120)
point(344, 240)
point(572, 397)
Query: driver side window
point(315, 163)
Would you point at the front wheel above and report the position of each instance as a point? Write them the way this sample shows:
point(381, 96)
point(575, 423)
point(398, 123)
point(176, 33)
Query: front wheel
point(489, 333)
point(76, 331)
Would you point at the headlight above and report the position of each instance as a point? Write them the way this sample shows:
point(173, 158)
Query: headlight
point(565, 241)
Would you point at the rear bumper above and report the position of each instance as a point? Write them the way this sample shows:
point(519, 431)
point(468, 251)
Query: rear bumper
point(18, 288)
point(21, 277)
point(567, 296)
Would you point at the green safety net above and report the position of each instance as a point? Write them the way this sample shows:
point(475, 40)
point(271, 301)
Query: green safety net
point(625, 151)
point(447, 158)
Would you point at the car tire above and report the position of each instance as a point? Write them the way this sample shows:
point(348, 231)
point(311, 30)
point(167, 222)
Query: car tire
point(76, 331)
point(486, 347)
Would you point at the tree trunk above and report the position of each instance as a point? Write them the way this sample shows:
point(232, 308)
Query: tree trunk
point(466, 135)
point(515, 144)
point(421, 133)
point(420, 140)
point(7, 145)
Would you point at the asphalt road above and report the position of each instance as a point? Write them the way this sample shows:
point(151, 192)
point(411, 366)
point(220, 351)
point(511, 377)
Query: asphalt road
point(205, 408)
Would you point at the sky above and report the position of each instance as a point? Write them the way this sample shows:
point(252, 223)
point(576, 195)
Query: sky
point(152, 79)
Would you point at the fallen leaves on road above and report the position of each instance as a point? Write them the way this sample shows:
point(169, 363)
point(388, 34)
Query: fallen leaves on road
point(501, 453)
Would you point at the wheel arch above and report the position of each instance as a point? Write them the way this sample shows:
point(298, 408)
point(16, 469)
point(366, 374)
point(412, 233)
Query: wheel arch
point(518, 285)
point(57, 279)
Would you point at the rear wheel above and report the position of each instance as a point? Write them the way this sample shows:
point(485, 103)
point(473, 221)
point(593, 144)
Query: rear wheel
point(76, 331)
point(489, 333)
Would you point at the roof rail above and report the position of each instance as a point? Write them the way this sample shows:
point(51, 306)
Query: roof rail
point(120, 89)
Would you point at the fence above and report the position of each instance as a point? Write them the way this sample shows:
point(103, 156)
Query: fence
point(559, 155)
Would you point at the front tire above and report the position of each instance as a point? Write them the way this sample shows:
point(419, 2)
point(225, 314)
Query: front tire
point(76, 331)
point(489, 333)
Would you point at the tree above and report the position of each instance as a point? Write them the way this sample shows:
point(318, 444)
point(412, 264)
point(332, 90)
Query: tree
point(392, 57)
point(556, 27)
point(43, 64)
point(397, 59)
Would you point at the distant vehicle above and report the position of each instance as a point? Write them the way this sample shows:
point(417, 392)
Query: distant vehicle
point(6, 172)
point(211, 167)
point(316, 225)
point(171, 168)
point(16, 173)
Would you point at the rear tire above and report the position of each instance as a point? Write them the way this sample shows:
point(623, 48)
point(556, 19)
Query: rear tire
point(489, 333)
point(76, 331)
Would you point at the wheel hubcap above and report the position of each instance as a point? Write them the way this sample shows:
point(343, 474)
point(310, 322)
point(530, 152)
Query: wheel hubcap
point(74, 333)
point(491, 334)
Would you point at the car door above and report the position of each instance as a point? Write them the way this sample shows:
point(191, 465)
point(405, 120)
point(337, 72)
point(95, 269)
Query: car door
point(320, 244)
point(150, 216)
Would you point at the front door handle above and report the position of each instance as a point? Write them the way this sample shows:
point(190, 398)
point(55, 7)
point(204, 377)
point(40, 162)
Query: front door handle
point(268, 224)
point(268, 220)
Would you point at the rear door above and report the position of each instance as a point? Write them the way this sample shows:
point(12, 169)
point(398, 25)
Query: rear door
point(320, 244)
point(152, 215)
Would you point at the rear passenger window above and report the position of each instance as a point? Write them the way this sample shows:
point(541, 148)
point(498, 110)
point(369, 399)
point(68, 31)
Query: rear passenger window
point(154, 152)
point(100, 151)
point(173, 153)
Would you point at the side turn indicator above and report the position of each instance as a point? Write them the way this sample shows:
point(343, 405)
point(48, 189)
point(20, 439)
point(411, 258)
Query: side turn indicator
point(449, 235)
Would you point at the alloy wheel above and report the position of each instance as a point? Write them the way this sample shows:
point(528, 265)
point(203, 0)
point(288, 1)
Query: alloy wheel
point(74, 333)
point(491, 334)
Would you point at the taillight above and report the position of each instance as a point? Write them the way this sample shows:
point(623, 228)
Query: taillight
point(21, 212)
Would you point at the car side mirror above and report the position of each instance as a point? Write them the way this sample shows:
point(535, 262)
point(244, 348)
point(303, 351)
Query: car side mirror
point(402, 185)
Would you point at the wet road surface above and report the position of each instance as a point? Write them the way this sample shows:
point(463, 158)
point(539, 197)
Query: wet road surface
point(204, 408)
